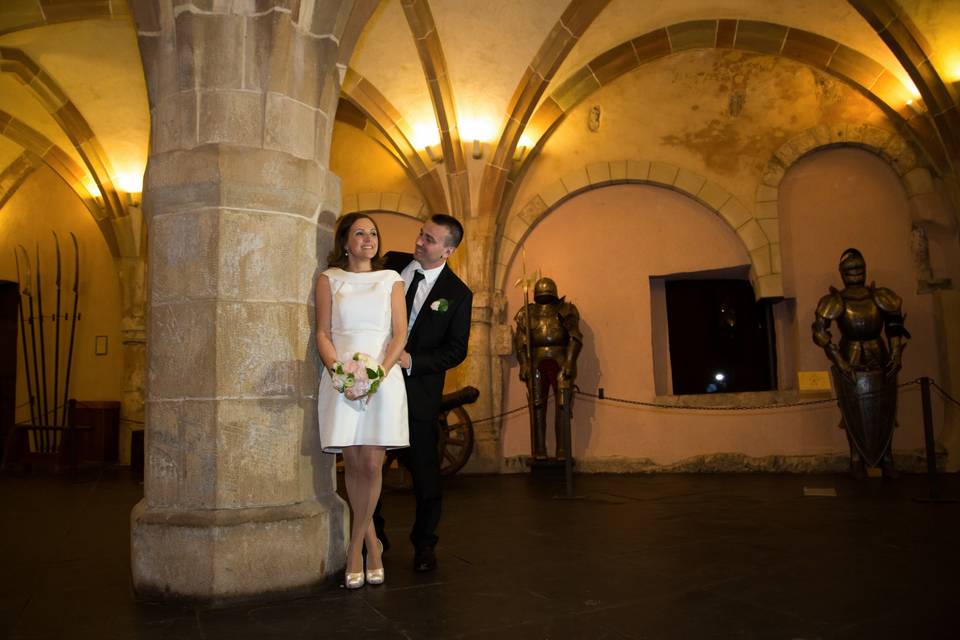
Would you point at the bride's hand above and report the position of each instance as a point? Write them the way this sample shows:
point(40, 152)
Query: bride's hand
point(350, 394)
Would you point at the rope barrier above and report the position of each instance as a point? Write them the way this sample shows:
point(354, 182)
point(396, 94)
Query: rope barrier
point(943, 393)
point(663, 405)
point(775, 405)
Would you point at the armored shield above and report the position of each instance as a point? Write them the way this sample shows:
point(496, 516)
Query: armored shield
point(868, 404)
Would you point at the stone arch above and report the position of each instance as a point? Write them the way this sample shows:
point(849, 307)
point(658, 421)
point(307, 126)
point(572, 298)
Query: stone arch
point(763, 249)
point(41, 150)
point(876, 82)
point(916, 178)
point(398, 203)
point(15, 174)
point(66, 114)
point(368, 110)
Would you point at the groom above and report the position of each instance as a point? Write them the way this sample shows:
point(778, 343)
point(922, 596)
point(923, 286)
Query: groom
point(438, 329)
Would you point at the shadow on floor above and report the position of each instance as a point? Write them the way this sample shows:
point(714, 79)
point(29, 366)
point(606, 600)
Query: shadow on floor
point(636, 556)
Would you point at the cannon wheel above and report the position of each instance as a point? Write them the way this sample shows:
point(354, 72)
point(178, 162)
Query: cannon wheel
point(454, 440)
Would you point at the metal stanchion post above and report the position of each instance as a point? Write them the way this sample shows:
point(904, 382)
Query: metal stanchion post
point(566, 397)
point(928, 438)
point(930, 445)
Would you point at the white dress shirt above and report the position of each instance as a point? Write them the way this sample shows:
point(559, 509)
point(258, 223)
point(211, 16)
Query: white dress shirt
point(429, 279)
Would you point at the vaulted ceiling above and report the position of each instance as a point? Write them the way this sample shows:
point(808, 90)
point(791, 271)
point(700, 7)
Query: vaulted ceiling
point(438, 74)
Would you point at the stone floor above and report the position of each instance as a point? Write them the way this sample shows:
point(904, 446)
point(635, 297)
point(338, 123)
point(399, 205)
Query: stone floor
point(650, 556)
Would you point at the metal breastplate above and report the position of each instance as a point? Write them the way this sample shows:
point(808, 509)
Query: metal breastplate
point(861, 320)
point(546, 329)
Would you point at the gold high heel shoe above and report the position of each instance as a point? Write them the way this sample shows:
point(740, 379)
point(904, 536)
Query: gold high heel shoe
point(376, 576)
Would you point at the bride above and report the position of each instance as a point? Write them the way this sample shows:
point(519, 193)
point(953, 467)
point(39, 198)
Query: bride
point(361, 310)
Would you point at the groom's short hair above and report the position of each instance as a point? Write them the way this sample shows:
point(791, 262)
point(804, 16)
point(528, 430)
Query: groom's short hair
point(454, 228)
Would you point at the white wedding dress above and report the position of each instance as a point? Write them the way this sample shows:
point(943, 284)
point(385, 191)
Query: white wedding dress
point(360, 321)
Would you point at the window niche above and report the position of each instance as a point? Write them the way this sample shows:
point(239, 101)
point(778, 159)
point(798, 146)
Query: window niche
point(710, 335)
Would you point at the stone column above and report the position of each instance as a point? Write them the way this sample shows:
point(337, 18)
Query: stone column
point(240, 206)
point(478, 369)
point(133, 329)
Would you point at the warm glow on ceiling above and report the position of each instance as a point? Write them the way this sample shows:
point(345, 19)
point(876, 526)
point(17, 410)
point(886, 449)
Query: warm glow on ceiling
point(478, 128)
point(948, 63)
point(91, 186)
point(129, 181)
point(425, 135)
point(525, 141)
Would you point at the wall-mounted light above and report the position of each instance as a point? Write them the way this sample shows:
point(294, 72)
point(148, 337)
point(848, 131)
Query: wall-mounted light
point(522, 146)
point(435, 156)
point(916, 106)
point(479, 130)
point(93, 189)
point(425, 137)
point(131, 184)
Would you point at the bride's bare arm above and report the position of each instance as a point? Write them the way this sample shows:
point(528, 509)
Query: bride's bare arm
point(398, 323)
point(324, 302)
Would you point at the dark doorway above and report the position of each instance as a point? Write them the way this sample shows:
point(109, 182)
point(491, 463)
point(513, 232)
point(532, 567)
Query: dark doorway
point(720, 337)
point(9, 305)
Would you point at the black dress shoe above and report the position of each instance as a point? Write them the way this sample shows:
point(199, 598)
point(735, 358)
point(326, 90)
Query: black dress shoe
point(424, 559)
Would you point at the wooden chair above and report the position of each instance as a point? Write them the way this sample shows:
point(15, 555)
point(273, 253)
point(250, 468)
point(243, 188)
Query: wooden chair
point(51, 446)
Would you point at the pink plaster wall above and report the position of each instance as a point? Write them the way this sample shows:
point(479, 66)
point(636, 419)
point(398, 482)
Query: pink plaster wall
point(603, 246)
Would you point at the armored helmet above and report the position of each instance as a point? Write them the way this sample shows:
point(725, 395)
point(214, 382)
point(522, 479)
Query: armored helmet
point(545, 291)
point(853, 268)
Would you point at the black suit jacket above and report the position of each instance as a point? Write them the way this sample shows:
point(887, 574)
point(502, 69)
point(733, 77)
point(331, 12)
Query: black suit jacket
point(438, 340)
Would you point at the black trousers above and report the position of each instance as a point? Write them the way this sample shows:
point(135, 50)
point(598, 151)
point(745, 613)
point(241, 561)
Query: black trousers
point(422, 459)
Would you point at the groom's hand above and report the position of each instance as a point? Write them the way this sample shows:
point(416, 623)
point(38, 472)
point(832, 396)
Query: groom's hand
point(404, 360)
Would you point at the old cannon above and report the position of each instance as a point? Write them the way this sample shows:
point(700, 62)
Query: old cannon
point(455, 432)
point(454, 438)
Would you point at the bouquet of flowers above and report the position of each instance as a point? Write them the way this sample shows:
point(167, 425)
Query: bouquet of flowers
point(361, 374)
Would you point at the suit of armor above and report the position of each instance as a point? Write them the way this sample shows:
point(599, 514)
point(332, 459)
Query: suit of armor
point(547, 349)
point(864, 314)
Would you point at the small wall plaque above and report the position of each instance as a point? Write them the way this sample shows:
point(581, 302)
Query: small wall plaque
point(100, 346)
point(813, 381)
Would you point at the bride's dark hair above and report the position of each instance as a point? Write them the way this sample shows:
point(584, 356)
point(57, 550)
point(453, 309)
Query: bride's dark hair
point(338, 255)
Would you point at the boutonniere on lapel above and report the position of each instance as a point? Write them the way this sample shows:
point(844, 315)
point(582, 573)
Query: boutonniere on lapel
point(440, 305)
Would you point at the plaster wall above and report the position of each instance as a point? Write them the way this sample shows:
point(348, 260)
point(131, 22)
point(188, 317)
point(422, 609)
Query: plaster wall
point(627, 233)
point(44, 203)
point(364, 166)
point(9, 151)
point(720, 114)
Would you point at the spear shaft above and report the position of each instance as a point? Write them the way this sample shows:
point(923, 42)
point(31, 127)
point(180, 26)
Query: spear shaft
point(56, 341)
point(531, 402)
point(33, 328)
point(43, 349)
point(73, 321)
point(23, 333)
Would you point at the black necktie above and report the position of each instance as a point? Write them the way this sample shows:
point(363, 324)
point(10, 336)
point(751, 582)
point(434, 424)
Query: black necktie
point(412, 291)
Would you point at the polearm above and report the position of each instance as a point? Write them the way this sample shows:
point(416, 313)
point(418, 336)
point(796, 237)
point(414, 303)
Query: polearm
point(43, 350)
point(73, 322)
point(23, 332)
point(56, 342)
point(33, 328)
point(531, 402)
